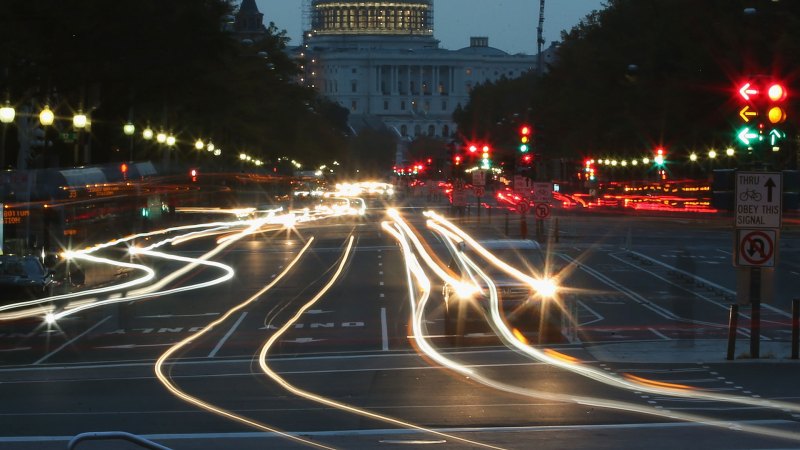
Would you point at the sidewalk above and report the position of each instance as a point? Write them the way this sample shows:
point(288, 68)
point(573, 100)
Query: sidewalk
point(684, 352)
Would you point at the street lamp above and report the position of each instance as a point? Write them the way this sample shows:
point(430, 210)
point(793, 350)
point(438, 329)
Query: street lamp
point(210, 146)
point(129, 129)
point(79, 122)
point(147, 134)
point(171, 140)
point(730, 151)
point(693, 157)
point(46, 117)
point(161, 138)
point(198, 144)
point(7, 114)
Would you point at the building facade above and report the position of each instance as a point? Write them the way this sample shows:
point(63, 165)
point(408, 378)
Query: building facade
point(380, 60)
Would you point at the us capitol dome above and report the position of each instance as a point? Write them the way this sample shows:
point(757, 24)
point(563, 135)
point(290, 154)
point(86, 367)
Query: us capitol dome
point(381, 61)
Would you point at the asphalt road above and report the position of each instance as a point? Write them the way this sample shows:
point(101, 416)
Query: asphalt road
point(346, 371)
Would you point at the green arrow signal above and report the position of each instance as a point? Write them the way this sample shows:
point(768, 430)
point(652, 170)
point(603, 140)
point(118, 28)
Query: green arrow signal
point(775, 136)
point(746, 135)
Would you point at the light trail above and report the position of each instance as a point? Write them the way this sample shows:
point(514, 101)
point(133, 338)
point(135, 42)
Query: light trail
point(508, 338)
point(175, 390)
point(327, 401)
point(86, 301)
point(586, 371)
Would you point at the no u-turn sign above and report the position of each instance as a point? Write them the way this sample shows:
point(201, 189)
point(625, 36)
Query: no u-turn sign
point(756, 248)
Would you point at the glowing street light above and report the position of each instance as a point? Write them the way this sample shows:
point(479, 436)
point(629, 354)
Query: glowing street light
point(46, 117)
point(7, 113)
point(147, 134)
point(199, 145)
point(171, 140)
point(730, 151)
point(712, 154)
point(210, 146)
point(161, 138)
point(79, 120)
point(129, 129)
point(693, 157)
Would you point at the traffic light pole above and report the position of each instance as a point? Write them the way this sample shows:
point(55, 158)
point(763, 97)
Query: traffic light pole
point(755, 313)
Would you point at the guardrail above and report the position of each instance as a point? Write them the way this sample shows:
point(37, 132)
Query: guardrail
point(114, 436)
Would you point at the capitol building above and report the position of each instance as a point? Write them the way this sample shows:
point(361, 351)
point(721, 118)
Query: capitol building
point(381, 61)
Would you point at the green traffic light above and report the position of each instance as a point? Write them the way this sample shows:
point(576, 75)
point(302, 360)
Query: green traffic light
point(524, 148)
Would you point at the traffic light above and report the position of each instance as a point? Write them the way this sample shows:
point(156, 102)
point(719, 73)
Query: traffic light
point(524, 138)
point(485, 161)
point(660, 156)
point(527, 159)
point(193, 174)
point(776, 93)
point(457, 160)
point(763, 111)
point(473, 148)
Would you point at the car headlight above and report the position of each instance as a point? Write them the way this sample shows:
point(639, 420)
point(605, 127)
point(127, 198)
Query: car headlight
point(546, 287)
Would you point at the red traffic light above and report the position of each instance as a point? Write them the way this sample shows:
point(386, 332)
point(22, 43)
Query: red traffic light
point(457, 160)
point(527, 159)
point(473, 148)
point(525, 130)
point(123, 168)
point(486, 149)
point(777, 93)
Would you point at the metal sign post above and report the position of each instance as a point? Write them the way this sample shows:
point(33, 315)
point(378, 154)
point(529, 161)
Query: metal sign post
point(757, 220)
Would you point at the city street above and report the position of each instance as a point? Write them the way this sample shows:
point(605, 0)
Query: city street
point(345, 370)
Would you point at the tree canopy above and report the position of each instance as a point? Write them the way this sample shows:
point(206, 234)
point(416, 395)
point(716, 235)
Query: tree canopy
point(172, 64)
point(640, 74)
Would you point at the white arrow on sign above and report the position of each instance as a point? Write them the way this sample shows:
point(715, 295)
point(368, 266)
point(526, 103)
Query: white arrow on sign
point(305, 340)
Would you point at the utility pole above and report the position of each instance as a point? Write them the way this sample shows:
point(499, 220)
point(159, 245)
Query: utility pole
point(540, 39)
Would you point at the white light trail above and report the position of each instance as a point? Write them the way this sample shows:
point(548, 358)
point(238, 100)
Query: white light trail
point(562, 361)
point(327, 401)
point(175, 390)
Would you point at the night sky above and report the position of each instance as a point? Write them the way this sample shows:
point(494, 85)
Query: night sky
point(510, 24)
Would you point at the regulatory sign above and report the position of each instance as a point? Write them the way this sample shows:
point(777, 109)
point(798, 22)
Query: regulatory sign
point(479, 178)
point(759, 198)
point(542, 192)
point(522, 207)
point(459, 197)
point(542, 211)
point(521, 183)
point(756, 248)
point(479, 191)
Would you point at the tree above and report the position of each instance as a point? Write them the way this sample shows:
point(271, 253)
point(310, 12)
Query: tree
point(637, 74)
point(171, 64)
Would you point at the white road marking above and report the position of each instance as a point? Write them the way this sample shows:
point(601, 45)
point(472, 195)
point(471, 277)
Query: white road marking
point(227, 335)
point(384, 331)
point(659, 334)
point(396, 432)
point(68, 343)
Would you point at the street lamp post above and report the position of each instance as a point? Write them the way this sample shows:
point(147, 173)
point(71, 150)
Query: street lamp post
point(129, 129)
point(7, 114)
point(79, 122)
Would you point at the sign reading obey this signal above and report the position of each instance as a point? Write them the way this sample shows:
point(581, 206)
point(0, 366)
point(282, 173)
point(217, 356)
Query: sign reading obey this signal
point(758, 199)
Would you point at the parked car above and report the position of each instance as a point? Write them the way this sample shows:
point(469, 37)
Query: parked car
point(522, 306)
point(24, 278)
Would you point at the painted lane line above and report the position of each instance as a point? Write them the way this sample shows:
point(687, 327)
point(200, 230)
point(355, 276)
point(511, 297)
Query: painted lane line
point(710, 283)
point(599, 317)
point(68, 343)
point(659, 334)
point(384, 331)
point(227, 335)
